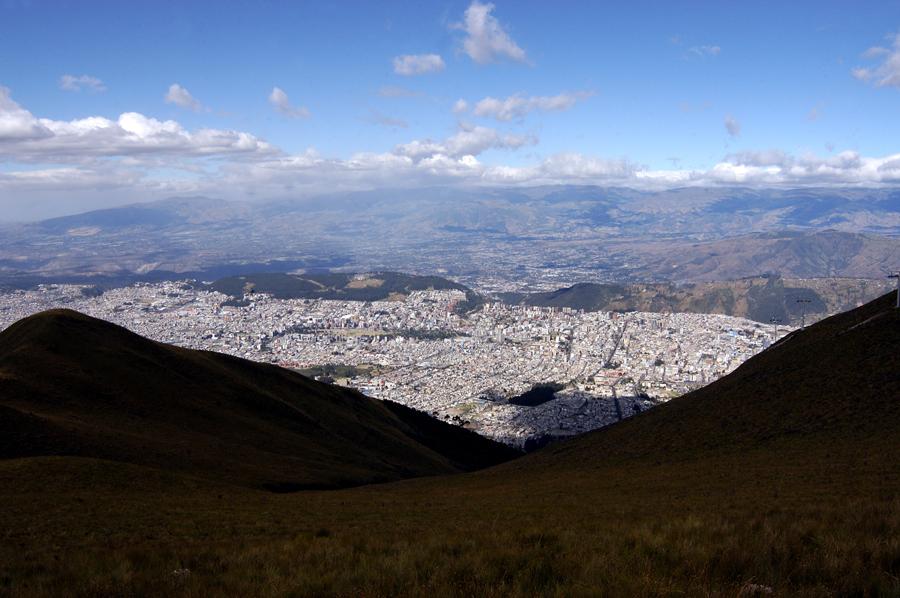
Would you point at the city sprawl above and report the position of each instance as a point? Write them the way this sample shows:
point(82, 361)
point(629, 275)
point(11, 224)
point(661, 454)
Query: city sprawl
point(419, 350)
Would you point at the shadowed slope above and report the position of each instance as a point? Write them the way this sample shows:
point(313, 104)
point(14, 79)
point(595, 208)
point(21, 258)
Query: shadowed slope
point(74, 385)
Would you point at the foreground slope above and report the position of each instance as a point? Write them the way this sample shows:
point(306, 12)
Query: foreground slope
point(71, 385)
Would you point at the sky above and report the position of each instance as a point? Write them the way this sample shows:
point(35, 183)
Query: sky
point(106, 103)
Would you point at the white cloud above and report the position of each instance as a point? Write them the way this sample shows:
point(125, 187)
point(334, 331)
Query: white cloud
point(25, 138)
point(309, 173)
point(282, 104)
point(73, 83)
point(569, 167)
point(887, 72)
point(863, 74)
point(875, 52)
point(16, 123)
point(771, 157)
point(418, 64)
point(468, 141)
point(732, 126)
point(180, 96)
point(486, 40)
point(460, 106)
point(517, 106)
point(704, 51)
point(770, 168)
point(774, 167)
point(451, 160)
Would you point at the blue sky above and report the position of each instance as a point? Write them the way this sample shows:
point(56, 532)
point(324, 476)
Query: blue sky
point(275, 99)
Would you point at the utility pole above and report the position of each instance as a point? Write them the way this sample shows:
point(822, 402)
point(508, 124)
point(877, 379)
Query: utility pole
point(803, 303)
point(897, 276)
point(775, 322)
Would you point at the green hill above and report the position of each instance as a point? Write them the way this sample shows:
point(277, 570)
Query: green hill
point(71, 385)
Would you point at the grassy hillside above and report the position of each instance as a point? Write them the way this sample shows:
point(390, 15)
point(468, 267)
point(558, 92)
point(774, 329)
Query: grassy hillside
point(780, 479)
point(71, 385)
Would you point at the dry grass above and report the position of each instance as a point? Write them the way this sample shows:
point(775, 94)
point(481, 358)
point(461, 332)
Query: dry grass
point(697, 528)
point(365, 283)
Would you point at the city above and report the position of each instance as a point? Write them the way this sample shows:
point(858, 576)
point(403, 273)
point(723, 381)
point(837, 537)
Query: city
point(418, 350)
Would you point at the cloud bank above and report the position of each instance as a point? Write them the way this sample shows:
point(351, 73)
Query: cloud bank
point(26, 138)
point(135, 157)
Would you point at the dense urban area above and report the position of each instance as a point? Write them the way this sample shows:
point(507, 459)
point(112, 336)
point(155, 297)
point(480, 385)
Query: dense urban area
point(518, 374)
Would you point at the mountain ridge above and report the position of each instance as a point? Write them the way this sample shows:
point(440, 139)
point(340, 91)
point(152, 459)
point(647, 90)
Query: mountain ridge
point(590, 232)
point(759, 298)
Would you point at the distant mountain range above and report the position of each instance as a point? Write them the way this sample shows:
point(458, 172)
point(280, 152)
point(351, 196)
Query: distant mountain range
point(822, 254)
point(71, 385)
point(584, 234)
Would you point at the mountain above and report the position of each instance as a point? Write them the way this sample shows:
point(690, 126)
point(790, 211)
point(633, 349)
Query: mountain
point(158, 214)
point(791, 301)
point(71, 385)
point(512, 235)
point(792, 254)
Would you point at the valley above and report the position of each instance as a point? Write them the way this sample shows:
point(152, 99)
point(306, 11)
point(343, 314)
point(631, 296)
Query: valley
point(423, 351)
